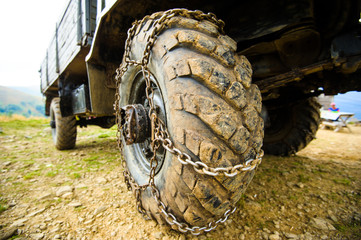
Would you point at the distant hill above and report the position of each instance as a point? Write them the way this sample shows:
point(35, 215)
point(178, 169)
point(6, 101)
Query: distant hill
point(17, 102)
point(32, 90)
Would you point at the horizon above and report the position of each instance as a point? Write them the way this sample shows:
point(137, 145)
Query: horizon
point(347, 102)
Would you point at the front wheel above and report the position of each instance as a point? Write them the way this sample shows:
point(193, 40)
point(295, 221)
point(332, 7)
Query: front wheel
point(202, 91)
point(63, 129)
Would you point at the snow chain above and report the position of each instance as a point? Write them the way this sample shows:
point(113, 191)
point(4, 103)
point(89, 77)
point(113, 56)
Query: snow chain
point(160, 135)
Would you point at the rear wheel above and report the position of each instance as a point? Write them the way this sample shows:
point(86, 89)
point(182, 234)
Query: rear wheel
point(63, 129)
point(203, 92)
point(292, 127)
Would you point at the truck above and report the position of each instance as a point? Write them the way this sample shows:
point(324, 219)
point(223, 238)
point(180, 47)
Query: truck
point(199, 90)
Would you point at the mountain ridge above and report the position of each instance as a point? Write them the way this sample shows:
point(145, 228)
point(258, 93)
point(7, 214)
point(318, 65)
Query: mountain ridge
point(33, 90)
point(14, 101)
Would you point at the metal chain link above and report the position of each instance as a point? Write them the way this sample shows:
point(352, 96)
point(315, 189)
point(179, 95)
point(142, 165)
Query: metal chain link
point(160, 135)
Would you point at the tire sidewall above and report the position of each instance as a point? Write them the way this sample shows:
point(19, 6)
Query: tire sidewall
point(65, 132)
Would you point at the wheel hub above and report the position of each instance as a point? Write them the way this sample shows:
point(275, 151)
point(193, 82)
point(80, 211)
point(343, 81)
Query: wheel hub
point(136, 123)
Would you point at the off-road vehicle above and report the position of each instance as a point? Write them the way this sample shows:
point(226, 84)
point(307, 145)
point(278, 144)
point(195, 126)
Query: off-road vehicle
point(195, 97)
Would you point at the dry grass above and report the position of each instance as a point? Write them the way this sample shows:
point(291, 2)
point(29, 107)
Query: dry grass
point(321, 181)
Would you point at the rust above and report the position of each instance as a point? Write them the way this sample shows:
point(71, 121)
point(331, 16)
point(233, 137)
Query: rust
point(136, 123)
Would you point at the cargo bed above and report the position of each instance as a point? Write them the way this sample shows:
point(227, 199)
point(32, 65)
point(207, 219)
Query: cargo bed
point(70, 44)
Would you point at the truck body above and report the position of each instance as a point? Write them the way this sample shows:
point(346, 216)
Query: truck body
point(285, 41)
point(69, 46)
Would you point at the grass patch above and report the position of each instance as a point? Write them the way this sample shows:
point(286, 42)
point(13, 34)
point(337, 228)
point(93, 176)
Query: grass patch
point(90, 159)
point(3, 203)
point(17, 124)
point(2, 208)
point(52, 173)
point(75, 175)
point(292, 197)
point(343, 181)
point(350, 230)
point(103, 135)
point(302, 178)
point(31, 175)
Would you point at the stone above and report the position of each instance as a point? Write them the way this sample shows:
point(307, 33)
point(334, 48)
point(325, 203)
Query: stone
point(81, 185)
point(264, 235)
point(74, 204)
point(44, 196)
point(322, 224)
point(274, 236)
point(308, 236)
point(9, 233)
point(291, 236)
point(12, 203)
point(100, 210)
point(90, 221)
point(68, 195)
point(64, 189)
point(19, 223)
point(101, 180)
point(254, 205)
point(158, 235)
point(37, 236)
point(36, 212)
point(277, 224)
point(42, 226)
point(333, 218)
point(182, 237)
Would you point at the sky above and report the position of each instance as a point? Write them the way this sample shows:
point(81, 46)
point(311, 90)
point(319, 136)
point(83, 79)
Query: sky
point(26, 30)
point(349, 102)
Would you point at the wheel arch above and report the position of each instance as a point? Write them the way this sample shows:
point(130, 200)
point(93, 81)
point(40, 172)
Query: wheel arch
point(107, 48)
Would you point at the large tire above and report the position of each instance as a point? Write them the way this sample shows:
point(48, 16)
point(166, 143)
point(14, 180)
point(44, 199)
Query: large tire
point(63, 129)
point(291, 128)
point(212, 112)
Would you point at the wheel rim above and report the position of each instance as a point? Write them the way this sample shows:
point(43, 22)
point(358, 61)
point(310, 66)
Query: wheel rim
point(142, 151)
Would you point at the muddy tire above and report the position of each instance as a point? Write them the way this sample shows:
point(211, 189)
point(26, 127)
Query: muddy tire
point(292, 127)
point(212, 111)
point(63, 129)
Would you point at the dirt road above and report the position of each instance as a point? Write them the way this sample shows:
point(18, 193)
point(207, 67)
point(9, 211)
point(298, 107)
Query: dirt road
point(80, 194)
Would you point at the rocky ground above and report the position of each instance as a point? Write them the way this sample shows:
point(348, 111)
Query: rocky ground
point(80, 193)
